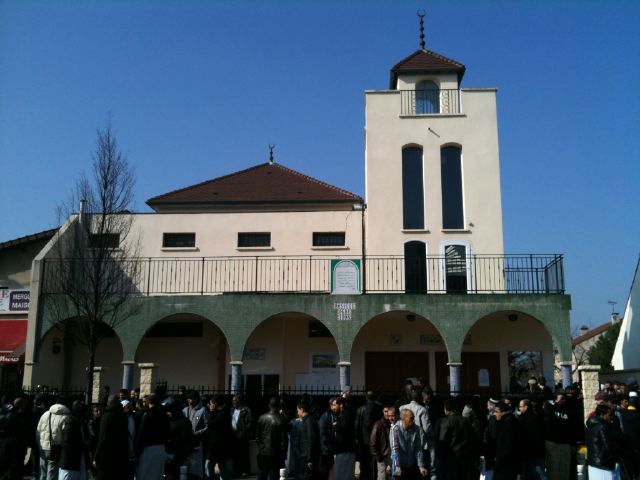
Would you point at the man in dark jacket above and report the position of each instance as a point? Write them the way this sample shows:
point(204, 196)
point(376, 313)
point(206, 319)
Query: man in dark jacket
point(325, 424)
point(507, 459)
point(220, 437)
point(307, 444)
point(532, 432)
point(271, 439)
point(75, 447)
point(366, 416)
point(344, 442)
point(603, 445)
point(112, 454)
point(456, 445)
point(153, 435)
point(559, 437)
point(181, 439)
point(241, 426)
point(379, 441)
point(630, 424)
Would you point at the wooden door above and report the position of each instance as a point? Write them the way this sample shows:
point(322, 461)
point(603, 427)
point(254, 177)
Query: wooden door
point(480, 372)
point(390, 370)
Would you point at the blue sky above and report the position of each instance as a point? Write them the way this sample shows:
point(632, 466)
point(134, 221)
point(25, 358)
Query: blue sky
point(199, 89)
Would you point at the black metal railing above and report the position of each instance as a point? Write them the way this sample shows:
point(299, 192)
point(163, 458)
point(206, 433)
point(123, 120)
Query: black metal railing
point(312, 274)
point(429, 102)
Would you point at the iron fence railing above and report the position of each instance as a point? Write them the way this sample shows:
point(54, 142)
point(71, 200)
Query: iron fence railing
point(531, 274)
point(429, 102)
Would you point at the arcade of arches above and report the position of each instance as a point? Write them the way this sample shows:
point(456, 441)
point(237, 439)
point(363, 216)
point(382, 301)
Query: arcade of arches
point(263, 346)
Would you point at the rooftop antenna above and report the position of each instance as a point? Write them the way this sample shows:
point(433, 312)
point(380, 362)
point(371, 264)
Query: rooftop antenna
point(271, 147)
point(421, 14)
point(613, 306)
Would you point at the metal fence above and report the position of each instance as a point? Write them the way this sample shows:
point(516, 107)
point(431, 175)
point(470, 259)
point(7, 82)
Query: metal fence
point(429, 102)
point(531, 274)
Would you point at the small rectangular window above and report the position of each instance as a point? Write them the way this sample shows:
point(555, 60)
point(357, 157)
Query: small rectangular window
point(178, 240)
point(328, 239)
point(104, 240)
point(254, 239)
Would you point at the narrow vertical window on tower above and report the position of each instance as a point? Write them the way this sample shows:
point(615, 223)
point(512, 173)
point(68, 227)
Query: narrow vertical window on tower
point(451, 180)
point(412, 189)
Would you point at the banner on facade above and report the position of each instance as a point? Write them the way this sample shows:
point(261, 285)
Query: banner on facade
point(345, 277)
point(14, 301)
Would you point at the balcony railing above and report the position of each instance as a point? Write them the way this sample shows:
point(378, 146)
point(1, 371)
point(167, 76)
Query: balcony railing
point(532, 274)
point(429, 102)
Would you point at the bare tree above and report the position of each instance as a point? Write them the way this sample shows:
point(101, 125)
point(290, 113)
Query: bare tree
point(93, 283)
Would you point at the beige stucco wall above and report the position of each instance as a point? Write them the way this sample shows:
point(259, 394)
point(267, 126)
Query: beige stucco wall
point(217, 233)
point(444, 81)
point(51, 369)
point(496, 333)
point(475, 129)
point(186, 361)
point(375, 336)
point(288, 348)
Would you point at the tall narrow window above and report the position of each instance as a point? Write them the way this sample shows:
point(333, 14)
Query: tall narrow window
point(451, 180)
point(427, 98)
point(412, 189)
point(415, 267)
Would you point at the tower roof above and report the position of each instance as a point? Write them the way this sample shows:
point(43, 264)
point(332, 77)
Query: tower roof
point(425, 61)
point(267, 183)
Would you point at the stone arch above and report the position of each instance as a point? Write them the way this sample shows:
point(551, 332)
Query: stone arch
point(62, 359)
point(285, 347)
point(189, 349)
point(408, 338)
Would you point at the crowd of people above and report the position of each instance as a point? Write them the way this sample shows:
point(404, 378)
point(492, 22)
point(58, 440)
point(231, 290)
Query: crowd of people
point(533, 435)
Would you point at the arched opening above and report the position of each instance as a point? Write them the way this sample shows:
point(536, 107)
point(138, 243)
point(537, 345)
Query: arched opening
point(189, 349)
point(290, 349)
point(393, 347)
point(63, 359)
point(503, 350)
point(415, 267)
point(427, 98)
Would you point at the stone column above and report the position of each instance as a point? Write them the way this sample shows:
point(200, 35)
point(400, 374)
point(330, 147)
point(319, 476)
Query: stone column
point(96, 385)
point(567, 379)
point(147, 378)
point(590, 380)
point(345, 374)
point(236, 376)
point(127, 374)
point(455, 381)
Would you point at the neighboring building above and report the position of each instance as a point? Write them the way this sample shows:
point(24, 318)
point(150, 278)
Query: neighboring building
point(587, 340)
point(268, 278)
point(15, 277)
point(626, 355)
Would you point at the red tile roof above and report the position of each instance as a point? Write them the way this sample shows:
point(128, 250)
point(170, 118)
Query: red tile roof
point(426, 61)
point(591, 333)
point(267, 183)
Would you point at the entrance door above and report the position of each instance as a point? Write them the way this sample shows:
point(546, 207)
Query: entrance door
point(480, 372)
point(390, 370)
point(415, 267)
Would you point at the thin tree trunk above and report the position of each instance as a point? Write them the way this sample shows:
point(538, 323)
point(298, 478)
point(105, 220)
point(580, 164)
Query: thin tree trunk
point(92, 362)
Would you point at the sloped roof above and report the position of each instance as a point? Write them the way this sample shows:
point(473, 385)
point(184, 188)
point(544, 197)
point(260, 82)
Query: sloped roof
point(426, 61)
point(267, 183)
point(591, 333)
point(44, 235)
